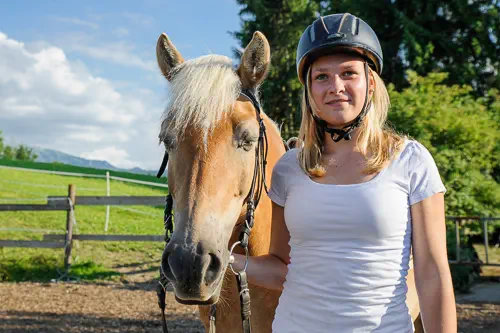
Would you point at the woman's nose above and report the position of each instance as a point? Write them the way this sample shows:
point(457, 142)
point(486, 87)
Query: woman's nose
point(336, 85)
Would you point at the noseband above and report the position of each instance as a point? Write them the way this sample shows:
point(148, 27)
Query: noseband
point(252, 200)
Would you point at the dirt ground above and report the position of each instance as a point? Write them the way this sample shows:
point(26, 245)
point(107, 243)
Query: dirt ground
point(132, 308)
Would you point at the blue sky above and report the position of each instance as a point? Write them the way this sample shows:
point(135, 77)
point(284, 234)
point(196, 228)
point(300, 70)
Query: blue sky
point(81, 76)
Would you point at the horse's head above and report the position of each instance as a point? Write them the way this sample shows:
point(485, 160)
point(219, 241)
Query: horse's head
point(210, 131)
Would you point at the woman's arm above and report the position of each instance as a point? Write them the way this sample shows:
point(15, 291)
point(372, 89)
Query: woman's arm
point(269, 271)
point(432, 272)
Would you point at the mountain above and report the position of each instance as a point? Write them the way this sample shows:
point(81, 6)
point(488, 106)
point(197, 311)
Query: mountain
point(50, 156)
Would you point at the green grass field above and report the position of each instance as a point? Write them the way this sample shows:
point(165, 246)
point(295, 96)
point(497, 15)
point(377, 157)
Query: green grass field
point(92, 260)
point(493, 258)
point(76, 169)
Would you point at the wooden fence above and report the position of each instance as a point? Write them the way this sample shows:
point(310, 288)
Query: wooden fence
point(68, 203)
point(461, 221)
point(56, 203)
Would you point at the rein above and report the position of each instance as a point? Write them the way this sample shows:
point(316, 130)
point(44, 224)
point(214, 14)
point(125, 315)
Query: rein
point(253, 198)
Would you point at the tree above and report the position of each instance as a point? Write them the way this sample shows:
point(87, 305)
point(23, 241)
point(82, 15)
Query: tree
point(460, 132)
point(282, 22)
point(459, 37)
point(8, 153)
point(24, 153)
point(455, 36)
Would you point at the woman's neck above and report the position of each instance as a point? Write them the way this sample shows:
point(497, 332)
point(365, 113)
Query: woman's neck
point(343, 146)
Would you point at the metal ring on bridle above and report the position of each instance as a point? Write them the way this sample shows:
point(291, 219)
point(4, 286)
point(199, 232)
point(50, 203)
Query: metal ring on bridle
point(231, 254)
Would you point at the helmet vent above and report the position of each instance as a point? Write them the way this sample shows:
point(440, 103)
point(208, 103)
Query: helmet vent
point(342, 21)
point(336, 35)
point(324, 25)
point(312, 32)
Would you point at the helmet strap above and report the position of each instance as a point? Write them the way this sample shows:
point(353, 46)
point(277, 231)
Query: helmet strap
point(345, 132)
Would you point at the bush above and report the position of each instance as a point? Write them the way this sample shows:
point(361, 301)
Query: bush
point(461, 132)
point(463, 276)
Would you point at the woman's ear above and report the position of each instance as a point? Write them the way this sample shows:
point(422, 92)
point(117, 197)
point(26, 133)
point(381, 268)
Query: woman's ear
point(371, 83)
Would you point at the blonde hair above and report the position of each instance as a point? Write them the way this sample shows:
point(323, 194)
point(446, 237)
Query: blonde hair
point(376, 141)
point(201, 92)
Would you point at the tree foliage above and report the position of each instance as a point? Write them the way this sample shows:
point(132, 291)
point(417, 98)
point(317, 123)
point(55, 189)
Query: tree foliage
point(21, 153)
point(282, 22)
point(462, 134)
point(459, 37)
point(455, 115)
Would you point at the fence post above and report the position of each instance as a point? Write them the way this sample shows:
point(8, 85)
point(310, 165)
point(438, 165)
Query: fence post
point(69, 226)
point(457, 234)
point(485, 228)
point(108, 190)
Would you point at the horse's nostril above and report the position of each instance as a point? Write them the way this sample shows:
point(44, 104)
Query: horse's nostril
point(165, 266)
point(213, 269)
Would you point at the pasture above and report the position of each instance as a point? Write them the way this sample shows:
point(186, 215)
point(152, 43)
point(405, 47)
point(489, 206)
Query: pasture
point(91, 260)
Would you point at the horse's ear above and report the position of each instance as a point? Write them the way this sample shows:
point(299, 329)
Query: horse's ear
point(255, 61)
point(167, 56)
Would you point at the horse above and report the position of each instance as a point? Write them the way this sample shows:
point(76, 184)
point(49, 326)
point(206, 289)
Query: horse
point(211, 133)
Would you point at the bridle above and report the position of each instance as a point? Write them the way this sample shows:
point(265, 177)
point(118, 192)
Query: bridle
point(252, 200)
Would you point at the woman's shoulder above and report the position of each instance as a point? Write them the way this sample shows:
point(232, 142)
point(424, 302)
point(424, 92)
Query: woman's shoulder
point(289, 160)
point(414, 154)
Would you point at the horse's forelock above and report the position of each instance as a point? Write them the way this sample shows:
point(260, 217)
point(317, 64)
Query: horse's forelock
point(201, 92)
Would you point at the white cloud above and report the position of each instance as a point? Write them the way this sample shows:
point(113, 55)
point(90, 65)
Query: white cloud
point(49, 101)
point(16, 107)
point(77, 21)
point(138, 19)
point(117, 53)
point(121, 32)
point(112, 155)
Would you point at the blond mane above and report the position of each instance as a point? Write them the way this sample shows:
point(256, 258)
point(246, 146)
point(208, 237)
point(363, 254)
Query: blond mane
point(202, 90)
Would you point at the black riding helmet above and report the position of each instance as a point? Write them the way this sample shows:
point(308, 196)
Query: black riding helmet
point(339, 33)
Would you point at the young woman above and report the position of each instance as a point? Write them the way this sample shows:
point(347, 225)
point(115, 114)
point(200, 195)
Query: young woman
point(352, 202)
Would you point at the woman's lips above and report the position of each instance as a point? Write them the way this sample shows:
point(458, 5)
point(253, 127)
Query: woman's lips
point(338, 101)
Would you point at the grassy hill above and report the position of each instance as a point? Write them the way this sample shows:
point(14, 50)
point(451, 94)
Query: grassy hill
point(94, 260)
point(75, 169)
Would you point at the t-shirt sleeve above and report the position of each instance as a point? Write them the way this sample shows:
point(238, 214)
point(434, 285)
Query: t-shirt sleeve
point(277, 191)
point(425, 180)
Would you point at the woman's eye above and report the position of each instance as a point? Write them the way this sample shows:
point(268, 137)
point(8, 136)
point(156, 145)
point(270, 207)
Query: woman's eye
point(321, 77)
point(349, 73)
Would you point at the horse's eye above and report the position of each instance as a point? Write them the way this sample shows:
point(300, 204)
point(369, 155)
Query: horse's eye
point(169, 142)
point(246, 140)
point(246, 145)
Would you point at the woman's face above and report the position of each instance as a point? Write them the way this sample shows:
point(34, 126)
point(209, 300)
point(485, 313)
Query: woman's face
point(338, 88)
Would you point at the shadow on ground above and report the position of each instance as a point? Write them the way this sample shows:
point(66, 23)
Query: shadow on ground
point(46, 322)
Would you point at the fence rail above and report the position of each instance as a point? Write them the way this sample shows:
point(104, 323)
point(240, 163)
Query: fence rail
point(76, 174)
point(65, 241)
point(472, 219)
point(55, 203)
point(115, 200)
point(107, 238)
point(33, 244)
point(35, 207)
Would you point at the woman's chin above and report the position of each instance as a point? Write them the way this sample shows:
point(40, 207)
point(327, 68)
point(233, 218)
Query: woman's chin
point(338, 122)
point(337, 117)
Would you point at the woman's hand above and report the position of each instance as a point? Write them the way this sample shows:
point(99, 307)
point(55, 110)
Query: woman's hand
point(269, 271)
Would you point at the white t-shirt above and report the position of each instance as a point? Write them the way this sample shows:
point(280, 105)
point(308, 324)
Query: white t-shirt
point(350, 245)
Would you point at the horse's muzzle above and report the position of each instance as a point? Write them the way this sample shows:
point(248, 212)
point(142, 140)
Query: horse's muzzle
point(194, 270)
